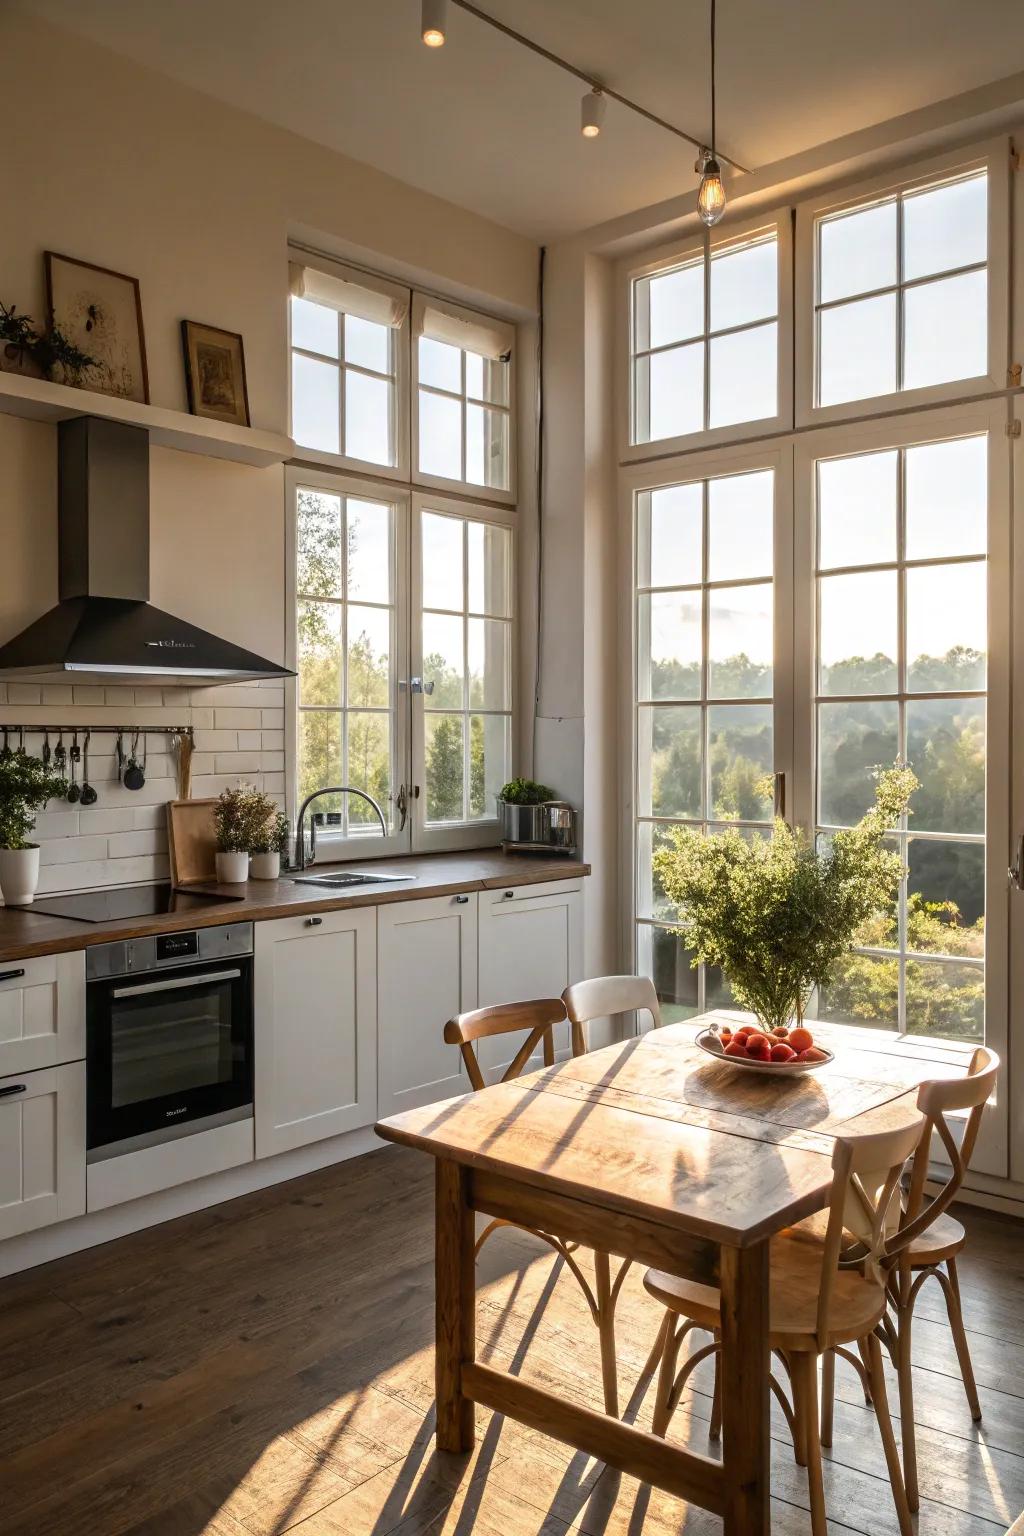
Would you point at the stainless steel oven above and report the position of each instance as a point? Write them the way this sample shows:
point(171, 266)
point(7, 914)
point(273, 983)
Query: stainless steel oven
point(169, 1036)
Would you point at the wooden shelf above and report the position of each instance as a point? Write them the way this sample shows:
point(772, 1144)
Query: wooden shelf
point(40, 400)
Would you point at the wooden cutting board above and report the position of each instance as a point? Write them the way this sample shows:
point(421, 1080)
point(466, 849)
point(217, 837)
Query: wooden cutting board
point(191, 841)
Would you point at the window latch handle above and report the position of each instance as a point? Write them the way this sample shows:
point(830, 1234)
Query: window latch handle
point(780, 795)
point(1015, 873)
point(402, 805)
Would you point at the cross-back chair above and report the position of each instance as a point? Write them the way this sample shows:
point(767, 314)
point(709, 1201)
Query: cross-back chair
point(606, 997)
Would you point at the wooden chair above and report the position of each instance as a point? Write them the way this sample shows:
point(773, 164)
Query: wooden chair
point(605, 997)
point(820, 1301)
point(539, 1019)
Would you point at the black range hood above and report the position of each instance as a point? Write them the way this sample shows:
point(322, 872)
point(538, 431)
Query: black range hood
point(104, 628)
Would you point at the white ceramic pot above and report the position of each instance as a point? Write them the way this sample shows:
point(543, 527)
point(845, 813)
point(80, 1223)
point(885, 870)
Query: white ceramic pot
point(232, 868)
point(19, 875)
point(265, 866)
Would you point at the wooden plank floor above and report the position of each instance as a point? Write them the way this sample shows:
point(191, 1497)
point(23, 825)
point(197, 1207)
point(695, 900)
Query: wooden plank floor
point(267, 1367)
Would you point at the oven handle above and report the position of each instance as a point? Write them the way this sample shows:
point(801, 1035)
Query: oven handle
point(174, 984)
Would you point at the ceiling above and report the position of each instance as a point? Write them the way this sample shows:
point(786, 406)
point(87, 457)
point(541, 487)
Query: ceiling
point(488, 125)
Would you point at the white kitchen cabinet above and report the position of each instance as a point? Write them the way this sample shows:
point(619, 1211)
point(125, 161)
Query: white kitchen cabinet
point(42, 1148)
point(42, 1012)
point(315, 982)
point(427, 973)
point(531, 945)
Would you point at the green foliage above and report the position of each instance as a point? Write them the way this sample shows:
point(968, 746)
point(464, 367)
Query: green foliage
point(773, 913)
point(26, 784)
point(272, 836)
point(49, 349)
point(240, 820)
point(526, 792)
point(18, 331)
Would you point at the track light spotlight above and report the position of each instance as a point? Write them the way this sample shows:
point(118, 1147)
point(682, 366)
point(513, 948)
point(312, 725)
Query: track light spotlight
point(592, 109)
point(434, 18)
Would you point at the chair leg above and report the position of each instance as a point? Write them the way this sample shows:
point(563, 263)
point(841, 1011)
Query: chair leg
point(892, 1455)
point(666, 1378)
point(828, 1395)
point(606, 1333)
point(908, 1429)
point(715, 1428)
point(805, 1370)
point(956, 1322)
point(796, 1382)
point(862, 1351)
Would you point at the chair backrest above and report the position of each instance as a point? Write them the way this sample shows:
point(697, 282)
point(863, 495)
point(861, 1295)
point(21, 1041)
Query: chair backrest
point(605, 996)
point(538, 1017)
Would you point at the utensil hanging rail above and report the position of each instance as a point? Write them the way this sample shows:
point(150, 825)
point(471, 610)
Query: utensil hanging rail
point(14, 729)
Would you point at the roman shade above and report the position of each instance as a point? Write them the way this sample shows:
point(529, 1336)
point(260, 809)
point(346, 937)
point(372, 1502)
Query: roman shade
point(463, 328)
point(351, 292)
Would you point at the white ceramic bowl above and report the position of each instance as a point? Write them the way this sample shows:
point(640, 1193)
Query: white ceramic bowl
point(712, 1046)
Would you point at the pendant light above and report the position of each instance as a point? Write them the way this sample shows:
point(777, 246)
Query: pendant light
point(592, 113)
point(434, 22)
point(711, 197)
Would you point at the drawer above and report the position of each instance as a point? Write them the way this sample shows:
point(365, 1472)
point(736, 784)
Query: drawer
point(509, 895)
point(42, 1012)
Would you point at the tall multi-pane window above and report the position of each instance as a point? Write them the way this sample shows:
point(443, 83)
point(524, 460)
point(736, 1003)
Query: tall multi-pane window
point(463, 396)
point(901, 582)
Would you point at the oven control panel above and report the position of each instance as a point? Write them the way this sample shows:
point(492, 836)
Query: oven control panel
point(157, 952)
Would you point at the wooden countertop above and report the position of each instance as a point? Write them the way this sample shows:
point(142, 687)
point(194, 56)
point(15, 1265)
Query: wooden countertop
point(24, 934)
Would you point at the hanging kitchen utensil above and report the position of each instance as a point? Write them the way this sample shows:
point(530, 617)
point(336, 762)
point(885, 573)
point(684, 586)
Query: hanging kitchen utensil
point(134, 773)
point(75, 757)
point(89, 795)
point(119, 750)
point(21, 739)
point(60, 756)
point(47, 754)
point(7, 747)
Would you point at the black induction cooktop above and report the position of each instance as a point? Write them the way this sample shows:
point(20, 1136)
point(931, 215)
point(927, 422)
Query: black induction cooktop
point(123, 901)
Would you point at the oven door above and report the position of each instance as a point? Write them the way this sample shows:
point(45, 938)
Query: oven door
point(167, 1048)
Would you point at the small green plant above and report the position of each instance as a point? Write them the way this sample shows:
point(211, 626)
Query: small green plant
point(525, 792)
point(17, 332)
point(239, 818)
point(26, 784)
point(775, 914)
point(272, 836)
point(48, 349)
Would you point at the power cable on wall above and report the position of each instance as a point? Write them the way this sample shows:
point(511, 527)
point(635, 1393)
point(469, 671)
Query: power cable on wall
point(539, 424)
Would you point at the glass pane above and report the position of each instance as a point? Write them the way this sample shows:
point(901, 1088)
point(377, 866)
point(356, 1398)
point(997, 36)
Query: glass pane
point(854, 740)
point(487, 379)
point(857, 350)
point(442, 561)
point(675, 389)
point(367, 418)
point(489, 664)
point(490, 759)
point(443, 660)
point(741, 758)
point(489, 555)
point(445, 767)
point(946, 627)
point(945, 228)
point(369, 550)
point(440, 434)
point(318, 544)
point(946, 749)
point(675, 304)
point(864, 991)
point(320, 754)
point(857, 500)
point(315, 418)
point(486, 447)
point(315, 327)
point(741, 526)
point(669, 767)
point(368, 344)
point(717, 991)
point(946, 898)
point(946, 330)
point(740, 642)
point(651, 898)
point(669, 537)
point(669, 651)
point(881, 929)
point(858, 252)
point(945, 1000)
point(857, 642)
point(947, 498)
point(440, 365)
point(369, 658)
point(369, 766)
point(744, 371)
point(661, 956)
point(744, 285)
point(319, 636)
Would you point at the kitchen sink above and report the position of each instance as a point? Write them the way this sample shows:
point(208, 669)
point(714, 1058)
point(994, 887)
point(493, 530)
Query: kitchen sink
point(338, 880)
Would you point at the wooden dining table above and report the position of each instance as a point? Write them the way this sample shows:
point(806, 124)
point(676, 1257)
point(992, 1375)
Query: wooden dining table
point(653, 1151)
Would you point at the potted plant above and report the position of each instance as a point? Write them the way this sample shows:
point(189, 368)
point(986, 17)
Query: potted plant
point(238, 818)
point(50, 354)
point(26, 784)
point(267, 847)
point(775, 913)
point(18, 338)
point(520, 811)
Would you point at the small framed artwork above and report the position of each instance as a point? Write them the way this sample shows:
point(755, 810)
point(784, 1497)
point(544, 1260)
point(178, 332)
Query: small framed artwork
point(99, 313)
point(215, 373)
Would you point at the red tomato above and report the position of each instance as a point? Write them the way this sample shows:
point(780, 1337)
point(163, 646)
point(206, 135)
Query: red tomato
point(812, 1054)
point(801, 1039)
point(736, 1048)
point(783, 1052)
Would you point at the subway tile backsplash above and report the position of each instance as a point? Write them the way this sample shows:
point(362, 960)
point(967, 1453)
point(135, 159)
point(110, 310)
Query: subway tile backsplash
point(239, 734)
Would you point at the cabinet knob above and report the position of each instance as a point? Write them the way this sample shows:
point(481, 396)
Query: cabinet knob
point(314, 922)
point(461, 901)
point(508, 896)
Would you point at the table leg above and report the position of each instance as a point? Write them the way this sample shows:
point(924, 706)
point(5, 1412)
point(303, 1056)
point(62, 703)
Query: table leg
point(455, 1303)
point(746, 1363)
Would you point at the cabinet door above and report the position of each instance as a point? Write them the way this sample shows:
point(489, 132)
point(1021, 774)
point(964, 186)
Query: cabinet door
point(531, 945)
point(42, 1148)
point(42, 1012)
point(315, 1028)
point(427, 968)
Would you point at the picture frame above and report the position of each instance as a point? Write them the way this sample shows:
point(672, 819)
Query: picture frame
point(215, 373)
point(99, 311)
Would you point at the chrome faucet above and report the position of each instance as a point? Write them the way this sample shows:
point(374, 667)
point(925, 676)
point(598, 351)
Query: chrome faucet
point(300, 827)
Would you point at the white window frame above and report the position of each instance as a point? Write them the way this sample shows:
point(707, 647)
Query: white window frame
point(466, 834)
point(992, 157)
point(777, 223)
point(400, 470)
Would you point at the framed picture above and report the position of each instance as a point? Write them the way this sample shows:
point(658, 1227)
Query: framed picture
point(99, 312)
point(215, 373)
